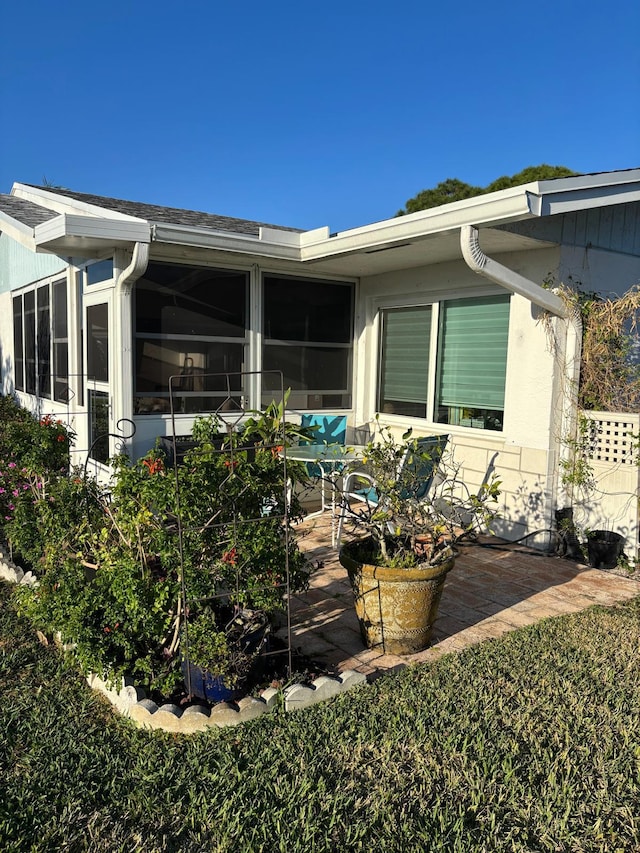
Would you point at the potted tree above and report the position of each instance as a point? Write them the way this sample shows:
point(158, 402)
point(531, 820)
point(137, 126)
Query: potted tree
point(405, 536)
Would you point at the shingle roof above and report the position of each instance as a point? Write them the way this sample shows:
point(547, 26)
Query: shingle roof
point(27, 212)
point(171, 215)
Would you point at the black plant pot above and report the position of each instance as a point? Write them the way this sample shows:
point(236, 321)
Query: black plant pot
point(604, 548)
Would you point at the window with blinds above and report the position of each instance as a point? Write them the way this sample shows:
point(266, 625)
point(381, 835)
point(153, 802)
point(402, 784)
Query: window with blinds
point(471, 364)
point(404, 361)
point(472, 361)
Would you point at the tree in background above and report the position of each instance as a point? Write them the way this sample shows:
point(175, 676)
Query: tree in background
point(455, 190)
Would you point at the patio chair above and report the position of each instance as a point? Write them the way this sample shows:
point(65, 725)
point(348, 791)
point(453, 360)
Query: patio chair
point(359, 485)
point(329, 429)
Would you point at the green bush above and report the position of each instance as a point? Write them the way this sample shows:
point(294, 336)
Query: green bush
point(112, 565)
point(34, 464)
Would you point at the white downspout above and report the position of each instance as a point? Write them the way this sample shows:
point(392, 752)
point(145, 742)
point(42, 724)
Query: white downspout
point(549, 301)
point(513, 281)
point(123, 395)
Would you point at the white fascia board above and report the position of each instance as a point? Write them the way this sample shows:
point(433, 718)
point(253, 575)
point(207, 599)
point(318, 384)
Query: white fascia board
point(567, 201)
point(494, 208)
point(598, 180)
point(92, 228)
point(293, 238)
point(205, 238)
point(18, 231)
point(65, 204)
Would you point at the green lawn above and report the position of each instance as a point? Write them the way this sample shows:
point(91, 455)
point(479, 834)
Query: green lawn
point(531, 743)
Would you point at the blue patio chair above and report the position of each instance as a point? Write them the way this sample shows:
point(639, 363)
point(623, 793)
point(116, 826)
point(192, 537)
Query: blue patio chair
point(329, 429)
point(359, 485)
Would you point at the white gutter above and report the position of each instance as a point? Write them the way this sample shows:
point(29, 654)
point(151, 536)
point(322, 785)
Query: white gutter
point(225, 241)
point(494, 208)
point(549, 301)
point(123, 398)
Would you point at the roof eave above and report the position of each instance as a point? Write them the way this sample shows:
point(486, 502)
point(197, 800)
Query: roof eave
point(76, 234)
point(492, 209)
point(286, 246)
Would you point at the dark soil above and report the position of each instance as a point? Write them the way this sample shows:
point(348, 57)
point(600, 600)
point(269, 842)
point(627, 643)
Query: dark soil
point(269, 670)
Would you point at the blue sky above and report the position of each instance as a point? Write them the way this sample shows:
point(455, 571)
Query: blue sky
point(310, 114)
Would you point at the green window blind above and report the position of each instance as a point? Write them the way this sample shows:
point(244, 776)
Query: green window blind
point(404, 367)
point(473, 352)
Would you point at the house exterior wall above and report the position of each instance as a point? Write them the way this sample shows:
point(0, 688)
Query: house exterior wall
point(6, 344)
point(19, 266)
point(600, 247)
point(524, 455)
point(606, 272)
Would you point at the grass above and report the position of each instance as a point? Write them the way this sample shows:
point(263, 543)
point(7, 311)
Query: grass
point(528, 743)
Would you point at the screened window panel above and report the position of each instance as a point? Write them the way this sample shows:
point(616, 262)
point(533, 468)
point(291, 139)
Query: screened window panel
point(98, 425)
point(308, 335)
point(172, 299)
point(30, 342)
point(44, 341)
point(404, 363)
point(60, 342)
point(473, 352)
point(98, 342)
point(18, 343)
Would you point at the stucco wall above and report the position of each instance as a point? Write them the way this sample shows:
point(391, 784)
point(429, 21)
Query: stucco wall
point(6, 344)
point(524, 454)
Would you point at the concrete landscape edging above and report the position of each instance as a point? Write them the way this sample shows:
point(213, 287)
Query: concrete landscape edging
point(131, 701)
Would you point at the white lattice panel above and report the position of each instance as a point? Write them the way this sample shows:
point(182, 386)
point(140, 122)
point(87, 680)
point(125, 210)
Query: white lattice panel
point(614, 437)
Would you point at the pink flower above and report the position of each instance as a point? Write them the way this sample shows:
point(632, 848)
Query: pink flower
point(12, 464)
point(15, 493)
point(11, 506)
point(2, 491)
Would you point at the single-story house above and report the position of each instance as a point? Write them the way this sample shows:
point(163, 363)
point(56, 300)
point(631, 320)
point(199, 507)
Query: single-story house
point(444, 320)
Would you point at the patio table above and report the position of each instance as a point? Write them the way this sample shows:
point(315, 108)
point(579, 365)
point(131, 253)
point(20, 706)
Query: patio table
point(331, 459)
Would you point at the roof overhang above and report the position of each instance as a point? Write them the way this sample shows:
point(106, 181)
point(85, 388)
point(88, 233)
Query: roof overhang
point(426, 237)
point(72, 234)
point(565, 195)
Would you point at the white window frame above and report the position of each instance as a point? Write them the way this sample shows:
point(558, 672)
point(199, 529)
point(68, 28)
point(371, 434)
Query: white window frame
point(434, 300)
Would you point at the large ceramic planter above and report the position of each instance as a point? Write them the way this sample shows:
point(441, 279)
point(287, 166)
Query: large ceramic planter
point(396, 608)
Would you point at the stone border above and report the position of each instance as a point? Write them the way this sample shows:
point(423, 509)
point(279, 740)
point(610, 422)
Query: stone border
point(12, 573)
point(131, 701)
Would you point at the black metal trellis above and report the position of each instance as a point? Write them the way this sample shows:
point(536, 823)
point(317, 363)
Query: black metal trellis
point(230, 414)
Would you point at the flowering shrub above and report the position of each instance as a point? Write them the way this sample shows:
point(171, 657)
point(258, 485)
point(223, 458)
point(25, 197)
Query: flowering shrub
point(113, 565)
point(34, 457)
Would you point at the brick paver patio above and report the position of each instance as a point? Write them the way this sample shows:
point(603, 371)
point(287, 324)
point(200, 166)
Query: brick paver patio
point(490, 591)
